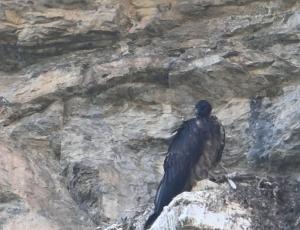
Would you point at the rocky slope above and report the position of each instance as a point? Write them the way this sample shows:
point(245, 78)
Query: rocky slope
point(90, 91)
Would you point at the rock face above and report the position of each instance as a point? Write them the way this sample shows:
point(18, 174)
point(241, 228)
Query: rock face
point(206, 209)
point(90, 92)
point(213, 206)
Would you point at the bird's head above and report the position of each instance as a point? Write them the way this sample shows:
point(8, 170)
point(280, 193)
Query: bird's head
point(203, 108)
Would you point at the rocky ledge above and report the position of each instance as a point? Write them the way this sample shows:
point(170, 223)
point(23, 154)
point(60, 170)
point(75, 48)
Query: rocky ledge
point(246, 202)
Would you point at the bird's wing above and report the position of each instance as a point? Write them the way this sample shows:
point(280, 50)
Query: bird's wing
point(184, 151)
point(185, 146)
point(219, 139)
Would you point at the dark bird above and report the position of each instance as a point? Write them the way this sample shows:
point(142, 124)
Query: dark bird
point(195, 148)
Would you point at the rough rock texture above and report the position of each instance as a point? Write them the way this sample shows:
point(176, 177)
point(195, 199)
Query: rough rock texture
point(255, 204)
point(90, 91)
point(250, 202)
point(206, 209)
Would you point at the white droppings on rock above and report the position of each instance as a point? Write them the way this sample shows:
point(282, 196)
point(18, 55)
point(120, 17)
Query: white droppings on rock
point(207, 61)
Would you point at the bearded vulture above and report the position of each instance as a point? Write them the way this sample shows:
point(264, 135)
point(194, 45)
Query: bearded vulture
point(196, 147)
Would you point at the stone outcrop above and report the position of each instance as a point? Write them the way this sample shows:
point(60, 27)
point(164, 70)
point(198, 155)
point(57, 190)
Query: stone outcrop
point(206, 209)
point(239, 201)
point(90, 92)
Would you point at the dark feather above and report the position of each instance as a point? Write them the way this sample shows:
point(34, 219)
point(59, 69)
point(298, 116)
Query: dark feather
point(150, 220)
point(184, 151)
point(218, 133)
point(186, 147)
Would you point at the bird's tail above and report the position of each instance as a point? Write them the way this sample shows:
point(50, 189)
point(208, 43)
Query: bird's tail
point(158, 203)
point(166, 191)
point(150, 220)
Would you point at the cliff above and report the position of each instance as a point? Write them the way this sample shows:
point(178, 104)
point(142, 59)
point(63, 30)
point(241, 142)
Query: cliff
point(91, 90)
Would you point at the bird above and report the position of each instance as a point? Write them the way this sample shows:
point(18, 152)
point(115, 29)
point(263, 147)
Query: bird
point(195, 148)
